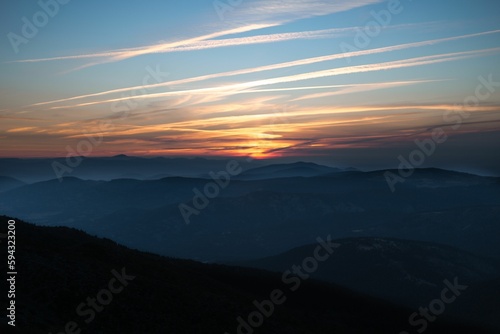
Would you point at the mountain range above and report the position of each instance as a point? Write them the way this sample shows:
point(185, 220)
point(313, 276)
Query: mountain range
point(397, 248)
point(402, 271)
point(251, 219)
point(66, 274)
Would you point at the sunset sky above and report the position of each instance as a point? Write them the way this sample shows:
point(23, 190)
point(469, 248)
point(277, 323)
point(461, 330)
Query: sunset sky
point(346, 82)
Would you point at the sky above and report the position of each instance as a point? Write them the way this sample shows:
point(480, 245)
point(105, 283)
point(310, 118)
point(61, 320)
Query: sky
point(361, 83)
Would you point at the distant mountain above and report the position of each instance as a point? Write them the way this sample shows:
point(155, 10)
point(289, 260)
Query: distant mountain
point(436, 177)
point(122, 156)
point(97, 286)
point(8, 183)
point(258, 218)
point(108, 168)
point(297, 169)
point(405, 272)
point(74, 201)
point(420, 178)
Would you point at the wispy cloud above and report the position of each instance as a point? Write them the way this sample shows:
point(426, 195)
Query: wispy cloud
point(23, 129)
point(260, 39)
point(357, 88)
point(120, 54)
point(255, 128)
point(252, 16)
point(301, 62)
point(258, 15)
point(238, 88)
point(290, 10)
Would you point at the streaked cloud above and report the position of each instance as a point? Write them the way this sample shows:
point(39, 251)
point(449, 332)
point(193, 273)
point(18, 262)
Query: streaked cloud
point(269, 80)
point(121, 54)
point(301, 62)
point(24, 129)
point(260, 129)
point(358, 88)
point(290, 10)
point(233, 89)
point(259, 14)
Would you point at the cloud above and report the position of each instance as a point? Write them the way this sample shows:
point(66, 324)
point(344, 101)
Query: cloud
point(253, 15)
point(300, 62)
point(120, 54)
point(291, 10)
point(357, 88)
point(261, 128)
point(254, 120)
point(238, 88)
point(23, 129)
point(201, 43)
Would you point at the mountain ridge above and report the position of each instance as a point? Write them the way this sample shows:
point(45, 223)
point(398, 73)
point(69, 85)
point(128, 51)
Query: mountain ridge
point(179, 296)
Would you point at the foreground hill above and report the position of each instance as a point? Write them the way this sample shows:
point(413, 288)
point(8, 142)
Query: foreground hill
point(405, 272)
point(65, 271)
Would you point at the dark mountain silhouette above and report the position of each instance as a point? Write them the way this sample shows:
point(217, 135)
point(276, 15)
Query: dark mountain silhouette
point(122, 156)
point(481, 303)
point(405, 272)
point(63, 268)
